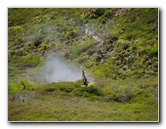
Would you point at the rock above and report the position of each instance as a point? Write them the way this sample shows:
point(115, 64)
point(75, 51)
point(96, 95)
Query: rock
point(83, 85)
point(121, 71)
point(125, 67)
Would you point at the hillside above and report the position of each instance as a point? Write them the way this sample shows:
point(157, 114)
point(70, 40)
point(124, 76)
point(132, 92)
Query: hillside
point(118, 48)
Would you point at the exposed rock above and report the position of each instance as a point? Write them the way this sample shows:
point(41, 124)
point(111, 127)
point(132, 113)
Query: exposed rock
point(83, 85)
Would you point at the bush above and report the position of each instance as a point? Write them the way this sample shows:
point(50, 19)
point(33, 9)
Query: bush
point(26, 85)
point(13, 87)
point(29, 60)
point(22, 85)
point(88, 91)
point(82, 46)
point(90, 85)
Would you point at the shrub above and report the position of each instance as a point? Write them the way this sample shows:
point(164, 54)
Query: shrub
point(22, 85)
point(82, 46)
point(29, 60)
point(90, 85)
point(26, 85)
point(87, 91)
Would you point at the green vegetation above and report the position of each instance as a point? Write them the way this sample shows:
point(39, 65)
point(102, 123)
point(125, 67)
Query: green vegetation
point(129, 100)
point(118, 47)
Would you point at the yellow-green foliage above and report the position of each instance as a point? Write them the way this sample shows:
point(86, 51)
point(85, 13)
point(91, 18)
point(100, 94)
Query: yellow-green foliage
point(23, 84)
point(90, 84)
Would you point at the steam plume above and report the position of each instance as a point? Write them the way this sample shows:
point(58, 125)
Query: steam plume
point(58, 70)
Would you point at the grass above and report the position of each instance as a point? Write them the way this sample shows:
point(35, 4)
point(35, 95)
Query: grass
point(67, 101)
point(78, 109)
point(124, 66)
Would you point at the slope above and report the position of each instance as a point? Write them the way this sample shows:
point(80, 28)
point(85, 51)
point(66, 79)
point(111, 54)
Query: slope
point(118, 48)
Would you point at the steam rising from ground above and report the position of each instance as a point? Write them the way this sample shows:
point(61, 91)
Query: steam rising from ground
point(57, 69)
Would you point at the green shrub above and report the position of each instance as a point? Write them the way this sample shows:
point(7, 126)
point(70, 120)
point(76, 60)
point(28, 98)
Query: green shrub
point(23, 84)
point(89, 64)
point(26, 85)
point(90, 85)
point(82, 46)
point(29, 60)
point(13, 86)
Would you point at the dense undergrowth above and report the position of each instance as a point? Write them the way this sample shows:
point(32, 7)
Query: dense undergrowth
point(118, 47)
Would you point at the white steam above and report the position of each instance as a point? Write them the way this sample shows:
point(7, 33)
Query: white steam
point(56, 69)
